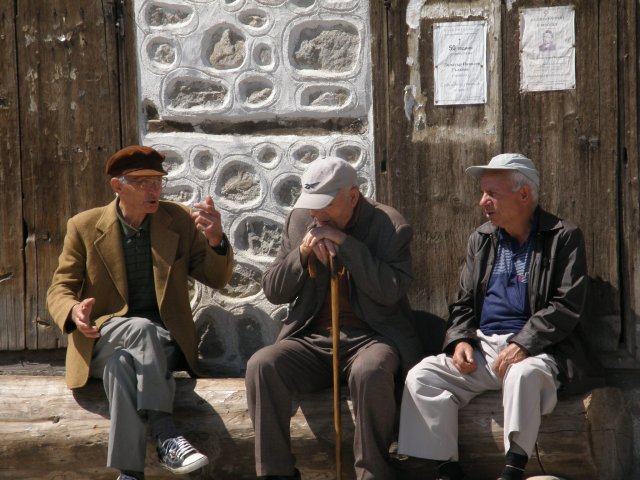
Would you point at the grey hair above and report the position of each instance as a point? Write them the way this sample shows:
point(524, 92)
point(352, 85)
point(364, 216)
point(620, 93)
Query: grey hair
point(519, 180)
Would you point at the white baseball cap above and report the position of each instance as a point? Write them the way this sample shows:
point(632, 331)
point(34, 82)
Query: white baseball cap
point(508, 161)
point(322, 180)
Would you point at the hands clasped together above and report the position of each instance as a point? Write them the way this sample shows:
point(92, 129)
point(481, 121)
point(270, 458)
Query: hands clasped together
point(465, 363)
point(323, 241)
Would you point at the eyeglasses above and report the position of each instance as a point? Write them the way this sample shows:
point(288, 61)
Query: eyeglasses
point(145, 183)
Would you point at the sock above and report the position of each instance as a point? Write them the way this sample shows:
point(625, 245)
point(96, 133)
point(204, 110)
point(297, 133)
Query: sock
point(514, 466)
point(162, 426)
point(450, 470)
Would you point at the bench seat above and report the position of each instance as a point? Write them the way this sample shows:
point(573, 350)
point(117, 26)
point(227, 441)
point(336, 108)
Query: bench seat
point(49, 432)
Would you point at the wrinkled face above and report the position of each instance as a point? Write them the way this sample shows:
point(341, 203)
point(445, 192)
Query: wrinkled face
point(501, 205)
point(138, 195)
point(340, 210)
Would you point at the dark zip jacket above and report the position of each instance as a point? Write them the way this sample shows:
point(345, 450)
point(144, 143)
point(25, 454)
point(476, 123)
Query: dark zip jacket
point(557, 292)
point(377, 257)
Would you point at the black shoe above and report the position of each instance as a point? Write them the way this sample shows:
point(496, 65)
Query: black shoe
point(450, 471)
point(295, 476)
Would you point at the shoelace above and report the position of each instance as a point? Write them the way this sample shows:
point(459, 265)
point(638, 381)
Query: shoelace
point(178, 447)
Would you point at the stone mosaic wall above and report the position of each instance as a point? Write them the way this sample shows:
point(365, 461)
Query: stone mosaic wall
point(241, 95)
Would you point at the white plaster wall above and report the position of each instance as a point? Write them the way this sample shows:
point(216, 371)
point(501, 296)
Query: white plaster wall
point(230, 61)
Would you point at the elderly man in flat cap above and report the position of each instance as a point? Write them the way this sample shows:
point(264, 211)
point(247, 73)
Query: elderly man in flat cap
point(377, 340)
point(515, 325)
point(120, 292)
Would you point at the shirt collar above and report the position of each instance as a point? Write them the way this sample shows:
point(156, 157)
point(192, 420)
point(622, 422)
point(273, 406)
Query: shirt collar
point(355, 216)
point(127, 230)
point(505, 238)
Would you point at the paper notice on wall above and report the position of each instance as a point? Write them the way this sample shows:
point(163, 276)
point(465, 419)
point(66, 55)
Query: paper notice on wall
point(547, 49)
point(460, 63)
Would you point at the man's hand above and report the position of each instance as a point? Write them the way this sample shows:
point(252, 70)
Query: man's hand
point(463, 358)
point(512, 353)
point(208, 220)
point(81, 316)
point(323, 241)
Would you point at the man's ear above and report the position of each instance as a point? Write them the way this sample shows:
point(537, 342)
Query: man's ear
point(354, 194)
point(525, 193)
point(116, 186)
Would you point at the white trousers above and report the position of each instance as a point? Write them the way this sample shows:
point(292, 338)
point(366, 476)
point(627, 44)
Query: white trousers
point(435, 390)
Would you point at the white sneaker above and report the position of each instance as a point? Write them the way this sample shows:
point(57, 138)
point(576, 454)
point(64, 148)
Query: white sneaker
point(178, 456)
point(124, 476)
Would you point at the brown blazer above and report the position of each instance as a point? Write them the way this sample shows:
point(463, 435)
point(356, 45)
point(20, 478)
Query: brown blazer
point(92, 265)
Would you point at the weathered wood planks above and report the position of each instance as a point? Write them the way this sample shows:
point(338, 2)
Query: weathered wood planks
point(48, 433)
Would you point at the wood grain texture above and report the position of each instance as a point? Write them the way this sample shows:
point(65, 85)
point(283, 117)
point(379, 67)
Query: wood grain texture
point(69, 126)
point(585, 437)
point(584, 142)
point(572, 135)
point(12, 328)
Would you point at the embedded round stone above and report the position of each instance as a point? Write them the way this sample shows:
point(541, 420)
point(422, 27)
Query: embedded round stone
point(332, 48)
point(227, 48)
point(350, 153)
point(184, 194)
point(263, 55)
point(256, 90)
point(245, 282)
point(249, 335)
point(328, 98)
point(259, 236)
point(162, 53)
point(166, 16)
point(187, 94)
point(254, 18)
point(240, 183)
point(203, 161)
point(286, 193)
point(306, 154)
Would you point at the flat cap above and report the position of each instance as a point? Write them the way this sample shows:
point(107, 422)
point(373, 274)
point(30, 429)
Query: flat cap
point(137, 161)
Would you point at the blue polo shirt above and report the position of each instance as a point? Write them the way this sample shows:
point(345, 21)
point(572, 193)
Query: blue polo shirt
point(506, 306)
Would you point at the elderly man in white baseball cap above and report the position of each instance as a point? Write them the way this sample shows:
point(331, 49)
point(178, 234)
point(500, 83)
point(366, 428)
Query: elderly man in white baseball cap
point(377, 340)
point(514, 327)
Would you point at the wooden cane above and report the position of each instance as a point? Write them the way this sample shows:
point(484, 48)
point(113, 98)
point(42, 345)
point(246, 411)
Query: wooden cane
point(335, 337)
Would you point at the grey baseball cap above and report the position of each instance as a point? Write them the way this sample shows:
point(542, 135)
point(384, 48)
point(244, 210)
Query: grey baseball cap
point(508, 161)
point(322, 180)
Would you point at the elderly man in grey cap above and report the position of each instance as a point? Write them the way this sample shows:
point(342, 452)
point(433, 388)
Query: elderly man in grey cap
point(514, 326)
point(377, 340)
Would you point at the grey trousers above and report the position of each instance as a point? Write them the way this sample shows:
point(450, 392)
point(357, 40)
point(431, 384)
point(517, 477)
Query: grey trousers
point(302, 365)
point(435, 390)
point(134, 357)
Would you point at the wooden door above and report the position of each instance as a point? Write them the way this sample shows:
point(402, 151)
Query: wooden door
point(576, 138)
point(61, 116)
point(11, 227)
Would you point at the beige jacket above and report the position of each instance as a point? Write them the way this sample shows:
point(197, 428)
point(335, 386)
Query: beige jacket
point(92, 265)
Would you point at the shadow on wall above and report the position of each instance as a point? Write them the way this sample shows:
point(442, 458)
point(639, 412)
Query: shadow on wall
point(603, 322)
point(431, 330)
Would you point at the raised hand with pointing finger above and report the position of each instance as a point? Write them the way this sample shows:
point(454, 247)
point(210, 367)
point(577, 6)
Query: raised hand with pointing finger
point(208, 220)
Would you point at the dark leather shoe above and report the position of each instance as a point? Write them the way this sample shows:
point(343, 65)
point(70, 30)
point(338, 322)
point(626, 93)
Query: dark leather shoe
point(295, 476)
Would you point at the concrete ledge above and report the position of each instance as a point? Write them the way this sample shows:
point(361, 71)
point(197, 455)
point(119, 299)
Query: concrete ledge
point(49, 432)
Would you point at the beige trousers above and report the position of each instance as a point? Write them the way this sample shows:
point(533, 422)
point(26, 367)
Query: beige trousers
point(435, 390)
